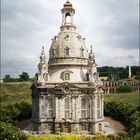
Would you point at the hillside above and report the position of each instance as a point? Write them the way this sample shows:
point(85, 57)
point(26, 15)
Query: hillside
point(15, 92)
point(132, 98)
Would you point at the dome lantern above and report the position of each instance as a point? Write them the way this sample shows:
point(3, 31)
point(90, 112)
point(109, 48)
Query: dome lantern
point(67, 14)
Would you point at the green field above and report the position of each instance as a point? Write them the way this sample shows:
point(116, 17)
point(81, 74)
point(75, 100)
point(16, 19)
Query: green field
point(15, 92)
point(132, 97)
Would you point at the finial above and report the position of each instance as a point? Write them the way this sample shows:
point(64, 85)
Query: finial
point(42, 53)
point(42, 48)
point(91, 48)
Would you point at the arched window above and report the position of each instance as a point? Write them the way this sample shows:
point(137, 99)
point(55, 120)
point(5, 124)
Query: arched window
point(67, 76)
point(67, 108)
point(68, 18)
point(83, 108)
point(67, 51)
point(50, 108)
point(98, 102)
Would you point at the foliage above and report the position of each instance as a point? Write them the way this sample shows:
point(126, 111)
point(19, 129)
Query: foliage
point(137, 76)
point(113, 73)
point(25, 110)
point(24, 76)
point(9, 113)
point(9, 132)
point(97, 136)
point(135, 122)
point(125, 113)
point(119, 72)
point(7, 78)
point(12, 113)
point(124, 89)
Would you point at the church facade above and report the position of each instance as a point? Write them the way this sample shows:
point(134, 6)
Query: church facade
point(68, 94)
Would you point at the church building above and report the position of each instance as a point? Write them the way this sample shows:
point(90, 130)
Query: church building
point(68, 94)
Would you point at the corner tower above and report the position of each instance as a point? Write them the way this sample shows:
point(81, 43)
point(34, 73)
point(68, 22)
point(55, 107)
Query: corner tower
point(68, 95)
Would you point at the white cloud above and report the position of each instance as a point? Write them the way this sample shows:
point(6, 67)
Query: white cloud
point(110, 26)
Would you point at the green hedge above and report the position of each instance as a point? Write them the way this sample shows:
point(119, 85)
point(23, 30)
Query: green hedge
point(124, 89)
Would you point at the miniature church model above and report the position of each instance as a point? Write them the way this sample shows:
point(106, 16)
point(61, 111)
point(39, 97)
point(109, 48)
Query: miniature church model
point(68, 95)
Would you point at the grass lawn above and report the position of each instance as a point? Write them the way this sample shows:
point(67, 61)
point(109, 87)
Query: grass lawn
point(132, 97)
point(15, 92)
point(69, 137)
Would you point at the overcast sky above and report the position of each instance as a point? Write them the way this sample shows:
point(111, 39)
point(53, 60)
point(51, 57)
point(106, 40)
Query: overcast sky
point(111, 26)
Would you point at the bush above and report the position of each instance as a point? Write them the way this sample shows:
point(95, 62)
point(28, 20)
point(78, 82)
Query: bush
point(25, 110)
point(9, 132)
point(14, 112)
point(135, 122)
point(125, 113)
point(124, 89)
point(9, 113)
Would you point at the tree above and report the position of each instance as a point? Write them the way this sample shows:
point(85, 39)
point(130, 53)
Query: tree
point(7, 78)
point(24, 77)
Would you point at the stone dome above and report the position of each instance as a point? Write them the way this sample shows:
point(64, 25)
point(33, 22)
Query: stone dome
point(68, 47)
point(68, 53)
point(67, 44)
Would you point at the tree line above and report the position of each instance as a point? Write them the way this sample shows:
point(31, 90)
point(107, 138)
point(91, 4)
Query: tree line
point(23, 77)
point(118, 73)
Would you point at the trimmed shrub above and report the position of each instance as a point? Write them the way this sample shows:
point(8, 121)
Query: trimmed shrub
point(124, 89)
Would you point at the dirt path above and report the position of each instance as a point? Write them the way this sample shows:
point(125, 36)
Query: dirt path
point(116, 125)
point(23, 124)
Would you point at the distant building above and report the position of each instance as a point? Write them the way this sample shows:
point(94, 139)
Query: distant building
point(111, 86)
point(68, 94)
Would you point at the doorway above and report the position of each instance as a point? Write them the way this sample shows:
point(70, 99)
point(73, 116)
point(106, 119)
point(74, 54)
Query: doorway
point(67, 128)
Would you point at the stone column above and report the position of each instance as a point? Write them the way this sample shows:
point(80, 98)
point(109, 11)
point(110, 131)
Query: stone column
point(78, 113)
point(102, 104)
point(93, 113)
point(56, 108)
point(95, 106)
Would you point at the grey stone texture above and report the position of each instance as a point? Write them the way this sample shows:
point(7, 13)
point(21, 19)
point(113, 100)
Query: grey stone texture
point(68, 94)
